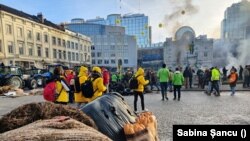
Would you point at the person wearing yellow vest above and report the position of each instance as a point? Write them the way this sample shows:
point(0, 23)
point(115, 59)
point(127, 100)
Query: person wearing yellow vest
point(82, 76)
point(233, 77)
point(215, 81)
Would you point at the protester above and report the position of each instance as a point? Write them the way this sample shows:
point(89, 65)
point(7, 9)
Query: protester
point(139, 91)
point(215, 81)
point(153, 81)
point(106, 78)
point(98, 86)
point(82, 77)
point(62, 88)
point(186, 77)
point(240, 73)
point(246, 75)
point(163, 75)
point(178, 80)
point(233, 77)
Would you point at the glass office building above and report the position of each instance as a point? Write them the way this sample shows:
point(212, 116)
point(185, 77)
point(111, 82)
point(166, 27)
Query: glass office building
point(135, 24)
point(110, 44)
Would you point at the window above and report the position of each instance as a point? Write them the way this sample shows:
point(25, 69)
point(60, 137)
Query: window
point(60, 54)
point(81, 57)
point(21, 49)
point(46, 38)
point(59, 41)
point(93, 54)
point(99, 61)
point(73, 56)
point(54, 53)
point(8, 29)
point(39, 51)
point(64, 43)
point(112, 55)
point(69, 56)
point(106, 61)
point(38, 36)
point(54, 40)
point(10, 47)
point(29, 34)
point(46, 52)
point(64, 55)
point(93, 61)
point(112, 47)
point(80, 46)
point(125, 61)
point(77, 57)
point(76, 46)
point(99, 54)
point(72, 45)
point(205, 54)
point(88, 48)
point(1, 50)
point(30, 50)
point(85, 48)
point(19, 32)
point(112, 61)
point(68, 44)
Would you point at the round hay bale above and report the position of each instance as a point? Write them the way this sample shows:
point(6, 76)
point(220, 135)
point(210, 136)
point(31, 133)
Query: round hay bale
point(54, 129)
point(29, 113)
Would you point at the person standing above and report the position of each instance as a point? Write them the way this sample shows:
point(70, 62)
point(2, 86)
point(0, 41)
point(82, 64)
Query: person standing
point(224, 70)
point(106, 78)
point(139, 91)
point(186, 76)
point(153, 81)
point(190, 76)
point(178, 80)
point(82, 77)
point(163, 75)
point(97, 80)
point(233, 77)
point(240, 73)
point(246, 77)
point(215, 81)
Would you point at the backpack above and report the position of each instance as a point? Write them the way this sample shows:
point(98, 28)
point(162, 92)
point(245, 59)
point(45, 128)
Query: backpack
point(77, 85)
point(50, 91)
point(87, 88)
point(133, 83)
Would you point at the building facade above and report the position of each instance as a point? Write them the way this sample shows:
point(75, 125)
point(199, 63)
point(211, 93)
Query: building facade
point(135, 24)
point(151, 57)
point(111, 46)
point(236, 21)
point(188, 50)
point(28, 40)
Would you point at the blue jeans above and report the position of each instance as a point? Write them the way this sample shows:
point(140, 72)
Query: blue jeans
point(233, 89)
point(164, 88)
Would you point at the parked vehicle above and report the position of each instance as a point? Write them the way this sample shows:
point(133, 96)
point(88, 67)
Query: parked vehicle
point(33, 77)
point(11, 75)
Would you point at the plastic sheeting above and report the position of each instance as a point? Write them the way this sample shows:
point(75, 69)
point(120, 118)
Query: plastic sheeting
point(110, 112)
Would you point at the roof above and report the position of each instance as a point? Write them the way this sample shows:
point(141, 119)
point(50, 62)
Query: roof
point(29, 17)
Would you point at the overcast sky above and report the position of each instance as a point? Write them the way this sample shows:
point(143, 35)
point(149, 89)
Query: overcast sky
point(204, 16)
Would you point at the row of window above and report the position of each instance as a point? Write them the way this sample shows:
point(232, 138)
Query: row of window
point(55, 41)
point(112, 61)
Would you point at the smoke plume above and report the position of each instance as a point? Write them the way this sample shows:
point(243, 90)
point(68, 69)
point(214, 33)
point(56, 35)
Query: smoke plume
point(182, 11)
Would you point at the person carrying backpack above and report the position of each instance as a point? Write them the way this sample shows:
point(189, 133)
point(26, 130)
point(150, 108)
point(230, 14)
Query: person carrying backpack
point(98, 86)
point(139, 91)
point(82, 77)
point(233, 77)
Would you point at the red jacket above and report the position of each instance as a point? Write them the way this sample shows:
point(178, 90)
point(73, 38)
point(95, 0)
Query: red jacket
point(106, 77)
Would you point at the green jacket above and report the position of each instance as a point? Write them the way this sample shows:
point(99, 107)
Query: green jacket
point(215, 74)
point(178, 78)
point(163, 75)
point(114, 78)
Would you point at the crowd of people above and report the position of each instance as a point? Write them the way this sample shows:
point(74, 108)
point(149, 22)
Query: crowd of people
point(164, 80)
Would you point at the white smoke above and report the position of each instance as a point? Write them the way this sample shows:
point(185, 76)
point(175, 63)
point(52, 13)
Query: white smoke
point(231, 53)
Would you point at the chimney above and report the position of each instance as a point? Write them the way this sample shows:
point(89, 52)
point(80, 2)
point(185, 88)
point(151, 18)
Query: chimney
point(40, 17)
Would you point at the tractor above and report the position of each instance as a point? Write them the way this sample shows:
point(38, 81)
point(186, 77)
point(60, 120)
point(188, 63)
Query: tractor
point(11, 75)
point(33, 77)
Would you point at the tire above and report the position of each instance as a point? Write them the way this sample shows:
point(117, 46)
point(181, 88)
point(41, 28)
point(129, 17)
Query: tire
point(32, 84)
point(40, 81)
point(15, 81)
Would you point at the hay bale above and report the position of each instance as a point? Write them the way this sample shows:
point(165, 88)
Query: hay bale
point(36, 92)
point(63, 129)
point(29, 113)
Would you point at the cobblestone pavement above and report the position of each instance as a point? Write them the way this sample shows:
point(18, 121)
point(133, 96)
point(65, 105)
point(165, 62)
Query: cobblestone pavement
point(193, 108)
